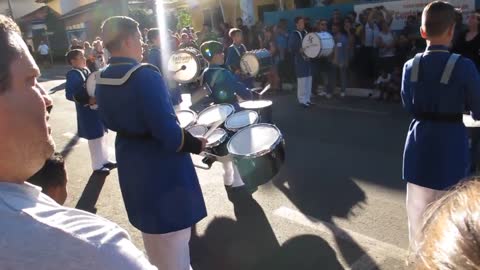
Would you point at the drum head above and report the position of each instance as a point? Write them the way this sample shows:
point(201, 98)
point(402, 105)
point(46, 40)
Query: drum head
point(184, 66)
point(197, 130)
point(217, 137)
point(255, 140)
point(241, 119)
point(91, 83)
point(250, 64)
point(215, 113)
point(469, 122)
point(186, 118)
point(255, 104)
point(311, 45)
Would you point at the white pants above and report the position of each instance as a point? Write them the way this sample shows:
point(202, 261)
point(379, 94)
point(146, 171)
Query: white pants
point(304, 89)
point(231, 175)
point(418, 199)
point(169, 251)
point(98, 152)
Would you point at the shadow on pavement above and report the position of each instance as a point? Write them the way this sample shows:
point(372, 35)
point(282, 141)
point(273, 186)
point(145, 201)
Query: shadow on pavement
point(249, 243)
point(57, 88)
point(69, 146)
point(91, 193)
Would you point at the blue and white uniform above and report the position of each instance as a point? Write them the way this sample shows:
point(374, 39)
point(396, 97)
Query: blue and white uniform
point(303, 68)
point(232, 61)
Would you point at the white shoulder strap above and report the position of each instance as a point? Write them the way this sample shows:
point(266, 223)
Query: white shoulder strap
point(81, 73)
point(299, 35)
point(124, 79)
point(447, 72)
point(415, 67)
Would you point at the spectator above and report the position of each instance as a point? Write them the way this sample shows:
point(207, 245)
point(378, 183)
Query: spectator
point(224, 29)
point(258, 36)
point(88, 51)
point(336, 18)
point(245, 31)
point(451, 230)
point(75, 45)
point(368, 52)
point(206, 34)
point(52, 178)
point(468, 44)
point(460, 28)
point(270, 45)
point(36, 231)
point(187, 42)
point(403, 50)
point(386, 52)
point(324, 67)
point(350, 32)
point(44, 52)
point(340, 56)
point(99, 55)
point(285, 59)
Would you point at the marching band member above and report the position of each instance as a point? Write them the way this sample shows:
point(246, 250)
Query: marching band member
point(302, 65)
point(159, 184)
point(437, 87)
point(234, 55)
point(155, 58)
point(89, 125)
point(225, 88)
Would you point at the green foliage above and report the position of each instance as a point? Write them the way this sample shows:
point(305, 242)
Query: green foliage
point(184, 18)
point(143, 18)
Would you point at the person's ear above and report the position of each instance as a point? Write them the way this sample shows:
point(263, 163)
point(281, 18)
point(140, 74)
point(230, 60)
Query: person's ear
point(451, 30)
point(423, 33)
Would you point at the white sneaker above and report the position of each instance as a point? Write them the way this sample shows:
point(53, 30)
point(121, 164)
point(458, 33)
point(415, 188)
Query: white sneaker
point(342, 94)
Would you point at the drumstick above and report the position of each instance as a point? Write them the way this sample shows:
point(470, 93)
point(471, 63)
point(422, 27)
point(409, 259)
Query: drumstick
point(265, 89)
point(213, 128)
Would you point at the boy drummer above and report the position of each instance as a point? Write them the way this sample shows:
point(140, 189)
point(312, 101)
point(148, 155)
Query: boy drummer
point(225, 88)
point(234, 56)
point(437, 87)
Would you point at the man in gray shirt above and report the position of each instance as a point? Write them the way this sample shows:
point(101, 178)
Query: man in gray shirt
point(36, 232)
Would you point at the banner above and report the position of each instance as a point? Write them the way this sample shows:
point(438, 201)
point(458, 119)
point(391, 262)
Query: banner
point(247, 11)
point(402, 9)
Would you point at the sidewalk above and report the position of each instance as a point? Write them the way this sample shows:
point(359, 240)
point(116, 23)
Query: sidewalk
point(53, 72)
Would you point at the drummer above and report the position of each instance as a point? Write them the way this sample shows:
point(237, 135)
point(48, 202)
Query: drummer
point(225, 88)
point(234, 55)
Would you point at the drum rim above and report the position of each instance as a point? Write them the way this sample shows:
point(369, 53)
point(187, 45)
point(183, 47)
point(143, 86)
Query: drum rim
point(236, 129)
point(195, 116)
point(219, 142)
point(243, 102)
point(261, 153)
point(316, 34)
point(196, 60)
point(216, 105)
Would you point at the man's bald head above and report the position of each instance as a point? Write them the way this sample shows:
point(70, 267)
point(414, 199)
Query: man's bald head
point(9, 48)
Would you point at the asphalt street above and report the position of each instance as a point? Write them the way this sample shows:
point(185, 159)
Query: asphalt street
point(337, 203)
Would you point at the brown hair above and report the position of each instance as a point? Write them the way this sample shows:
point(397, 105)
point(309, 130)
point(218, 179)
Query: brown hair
point(437, 18)
point(10, 50)
point(116, 29)
point(451, 232)
point(233, 32)
point(72, 54)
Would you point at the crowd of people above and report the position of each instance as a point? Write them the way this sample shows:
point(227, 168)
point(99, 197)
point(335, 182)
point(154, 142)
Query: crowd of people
point(153, 151)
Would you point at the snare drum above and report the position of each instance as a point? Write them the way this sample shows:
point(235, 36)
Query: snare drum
point(262, 107)
point(186, 65)
point(257, 62)
point(316, 45)
point(217, 142)
point(258, 151)
point(215, 113)
point(240, 120)
point(186, 118)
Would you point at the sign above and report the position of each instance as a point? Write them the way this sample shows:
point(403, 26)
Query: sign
point(402, 9)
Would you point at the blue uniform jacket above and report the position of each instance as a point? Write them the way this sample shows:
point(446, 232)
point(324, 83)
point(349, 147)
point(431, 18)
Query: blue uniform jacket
point(436, 153)
point(225, 86)
point(155, 58)
point(159, 185)
point(302, 65)
point(89, 124)
point(232, 61)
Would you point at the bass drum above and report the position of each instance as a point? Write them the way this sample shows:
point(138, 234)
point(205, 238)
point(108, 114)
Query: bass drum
point(257, 62)
point(259, 153)
point(90, 85)
point(316, 45)
point(186, 65)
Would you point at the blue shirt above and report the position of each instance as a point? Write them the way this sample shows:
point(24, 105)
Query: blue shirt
point(89, 125)
point(155, 58)
point(225, 85)
point(302, 65)
point(436, 153)
point(159, 185)
point(234, 54)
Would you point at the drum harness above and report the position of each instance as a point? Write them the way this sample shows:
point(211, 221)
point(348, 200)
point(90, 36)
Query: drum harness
point(447, 73)
point(82, 98)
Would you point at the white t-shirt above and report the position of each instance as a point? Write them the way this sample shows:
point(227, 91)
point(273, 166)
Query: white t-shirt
point(37, 233)
point(387, 39)
point(371, 34)
point(43, 49)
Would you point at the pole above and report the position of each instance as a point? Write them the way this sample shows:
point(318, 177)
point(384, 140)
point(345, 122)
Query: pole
point(281, 5)
point(221, 8)
point(11, 9)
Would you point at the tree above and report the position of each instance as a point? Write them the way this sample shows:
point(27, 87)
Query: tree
point(143, 18)
point(184, 18)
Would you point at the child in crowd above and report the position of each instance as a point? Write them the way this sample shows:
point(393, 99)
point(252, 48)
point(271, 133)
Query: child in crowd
point(234, 55)
point(382, 83)
point(89, 125)
point(52, 178)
